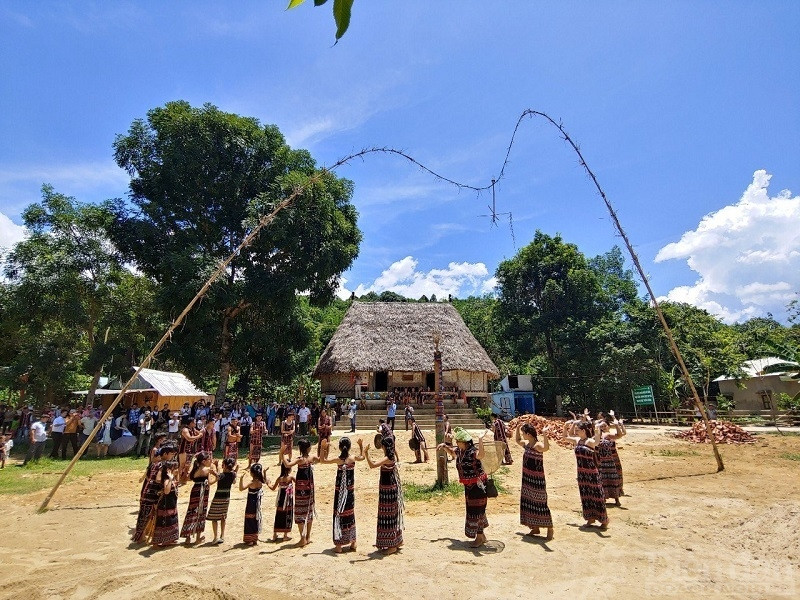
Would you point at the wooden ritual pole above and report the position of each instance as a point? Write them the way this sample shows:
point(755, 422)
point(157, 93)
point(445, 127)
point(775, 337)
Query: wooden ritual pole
point(441, 455)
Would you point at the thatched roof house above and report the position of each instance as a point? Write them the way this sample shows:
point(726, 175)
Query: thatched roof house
point(390, 344)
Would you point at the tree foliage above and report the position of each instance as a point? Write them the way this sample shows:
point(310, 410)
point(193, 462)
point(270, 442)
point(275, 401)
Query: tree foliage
point(201, 178)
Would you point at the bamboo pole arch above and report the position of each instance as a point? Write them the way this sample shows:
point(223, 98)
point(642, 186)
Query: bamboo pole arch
point(266, 220)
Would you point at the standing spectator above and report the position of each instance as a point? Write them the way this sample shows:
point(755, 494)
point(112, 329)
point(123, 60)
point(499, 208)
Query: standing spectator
point(163, 417)
point(133, 419)
point(185, 410)
point(357, 389)
point(245, 423)
point(391, 411)
point(57, 431)
point(501, 435)
point(6, 444)
point(145, 433)
point(408, 414)
point(87, 426)
point(271, 414)
point(104, 438)
point(38, 438)
point(71, 433)
point(351, 414)
point(303, 415)
point(173, 426)
point(223, 429)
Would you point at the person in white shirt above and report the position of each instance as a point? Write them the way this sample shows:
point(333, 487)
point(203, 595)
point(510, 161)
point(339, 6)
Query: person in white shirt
point(38, 438)
point(173, 426)
point(57, 431)
point(302, 416)
point(145, 434)
point(6, 444)
point(87, 426)
point(104, 438)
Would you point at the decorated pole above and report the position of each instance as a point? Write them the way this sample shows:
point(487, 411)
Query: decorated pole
point(441, 455)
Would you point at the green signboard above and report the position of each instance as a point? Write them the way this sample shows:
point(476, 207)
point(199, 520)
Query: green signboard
point(643, 396)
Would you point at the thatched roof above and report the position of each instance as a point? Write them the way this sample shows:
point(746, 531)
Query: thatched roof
point(398, 336)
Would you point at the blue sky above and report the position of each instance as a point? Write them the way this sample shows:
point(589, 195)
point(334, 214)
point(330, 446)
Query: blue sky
point(687, 112)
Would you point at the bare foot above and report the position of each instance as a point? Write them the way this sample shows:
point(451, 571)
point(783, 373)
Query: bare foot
point(338, 549)
point(603, 526)
point(549, 534)
point(388, 551)
point(353, 547)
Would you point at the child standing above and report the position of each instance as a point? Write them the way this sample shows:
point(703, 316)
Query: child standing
point(284, 504)
point(6, 444)
point(218, 511)
point(252, 510)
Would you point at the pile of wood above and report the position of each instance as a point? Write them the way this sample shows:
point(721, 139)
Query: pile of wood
point(553, 428)
point(724, 432)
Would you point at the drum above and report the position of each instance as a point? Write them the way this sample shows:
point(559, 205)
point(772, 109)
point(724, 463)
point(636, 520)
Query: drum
point(413, 443)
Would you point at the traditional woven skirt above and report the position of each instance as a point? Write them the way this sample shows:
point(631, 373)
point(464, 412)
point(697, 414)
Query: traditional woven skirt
point(218, 511)
point(252, 516)
point(147, 500)
point(476, 520)
point(255, 452)
point(610, 477)
point(344, 501)
point(304, 495)
point(232, 450)
point(284, 509)
point(533, 509)
point(166, 529)
point(390, 519)
point(195, 521)
point(589, 486)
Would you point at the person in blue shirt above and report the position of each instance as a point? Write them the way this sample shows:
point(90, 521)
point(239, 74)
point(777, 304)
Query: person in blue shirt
point(391, 410)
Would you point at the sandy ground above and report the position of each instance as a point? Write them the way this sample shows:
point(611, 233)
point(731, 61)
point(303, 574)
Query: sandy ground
point(684, 529)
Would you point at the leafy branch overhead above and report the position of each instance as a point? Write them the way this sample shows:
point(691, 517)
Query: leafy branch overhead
point(341, 13)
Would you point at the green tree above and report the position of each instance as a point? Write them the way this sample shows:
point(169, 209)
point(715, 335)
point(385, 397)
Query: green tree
point(64, 273)
point(548, 301)
point(200, 180)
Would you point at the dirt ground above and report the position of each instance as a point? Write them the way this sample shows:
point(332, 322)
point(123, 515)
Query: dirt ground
point(683, 530)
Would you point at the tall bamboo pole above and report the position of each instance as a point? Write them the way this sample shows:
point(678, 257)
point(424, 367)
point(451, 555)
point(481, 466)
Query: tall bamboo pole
point(220, 270)
point(699, 404)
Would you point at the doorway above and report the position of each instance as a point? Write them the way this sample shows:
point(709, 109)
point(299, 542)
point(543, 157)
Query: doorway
point(381, 381)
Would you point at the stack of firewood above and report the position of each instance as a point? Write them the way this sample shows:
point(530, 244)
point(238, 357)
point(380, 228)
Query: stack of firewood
point(724, 432)
point(552, 428)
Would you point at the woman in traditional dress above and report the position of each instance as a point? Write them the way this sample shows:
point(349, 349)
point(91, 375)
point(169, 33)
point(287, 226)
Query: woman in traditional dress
point(287, 436)
point(582, 434)
point(390, 500)
point(304, 512)
point(324, 429)
point(151, 490)
point(608, 463)
point(232, 439)
point(257, 432)
point(500, 435)
point(252, 510)
point(187, 446)
point(218, 511)
point(165, 532)
point(473, 477)
point(203, 475)
point(422, 448)
point(208, 441)
point(284, 504)
point(344, 516)
point(533, 509)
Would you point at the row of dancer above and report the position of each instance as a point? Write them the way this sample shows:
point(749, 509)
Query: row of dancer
point(599, 478)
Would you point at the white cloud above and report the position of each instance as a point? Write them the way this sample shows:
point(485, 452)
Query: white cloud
point(10, 233)
point(78, 175)
point(404, 278)
point(747, 255)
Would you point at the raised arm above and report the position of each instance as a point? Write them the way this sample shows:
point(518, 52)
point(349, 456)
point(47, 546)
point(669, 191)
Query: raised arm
point(543, 445)
point(447, 449)
point(517, 436)
point(242, 486)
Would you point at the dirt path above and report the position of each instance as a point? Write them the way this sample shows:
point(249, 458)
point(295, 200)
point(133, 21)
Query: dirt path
point(683, 529)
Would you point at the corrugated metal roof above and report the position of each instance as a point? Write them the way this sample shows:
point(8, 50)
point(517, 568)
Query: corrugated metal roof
point(170, 384)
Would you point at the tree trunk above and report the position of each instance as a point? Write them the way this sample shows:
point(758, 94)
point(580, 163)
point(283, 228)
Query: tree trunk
point(224, 359)
point(93, 387)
